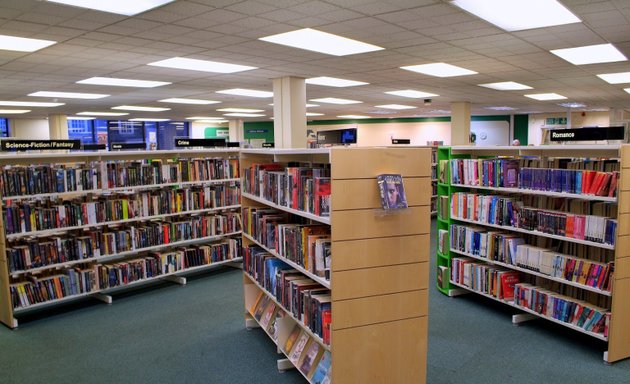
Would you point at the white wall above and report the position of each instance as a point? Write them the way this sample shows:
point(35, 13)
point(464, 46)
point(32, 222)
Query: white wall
point(29, 129)
point(491, 132)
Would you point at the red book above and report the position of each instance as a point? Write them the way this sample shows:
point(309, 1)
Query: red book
point(587, 180)
point(612, 190)
point(508, 280)
point(326, 320)
point(597, 182)
point(602, 190)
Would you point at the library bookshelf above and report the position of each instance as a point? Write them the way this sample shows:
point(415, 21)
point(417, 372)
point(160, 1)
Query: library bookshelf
point(88, 224)
point(434, 180)
point(605, 253)
point(379, 264)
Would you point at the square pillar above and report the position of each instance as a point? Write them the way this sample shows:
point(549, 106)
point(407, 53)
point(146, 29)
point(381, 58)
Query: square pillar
point(460, 123)
point(289, 111)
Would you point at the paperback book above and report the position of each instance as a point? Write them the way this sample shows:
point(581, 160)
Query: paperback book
point(392, 191)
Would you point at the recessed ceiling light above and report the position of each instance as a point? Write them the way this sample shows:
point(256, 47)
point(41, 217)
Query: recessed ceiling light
point(333, 82)
point(13, 111)
point(501, 108)
point(590, 54)
point(439, 70)
point(211, 121)
point(243, 114)
point(246, 92)
point(23, 44)
point(395, 106)
point(122, 7)
point(506, 86)
point(112, 81)
point(440, 111)
point(201, 65)
point(30, 104)
point(140, 108)
point(69, 95)
point(204, 118)
point(148, 119)
point(353, 117)
point(322, 42)
point(178, 100)
point(517, 15)
point(412, 94)
point(311, 105)
point(615, 78)
point(334, 100)
point(91, 113)
point(238, 110)
point(314, 114)
point(572, 105)
point(81, 118)
point(546, 96)
point(627, 90)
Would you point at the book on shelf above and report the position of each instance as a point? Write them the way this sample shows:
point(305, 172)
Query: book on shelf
point(274, 324)
point(442, 276)
point(392, 191)
point(299, 347)
point(311, 358)
point(442, 240)
point(443, 171)
point(267, 314)
point(261, 306)
point(322, 368)
point(293, 336)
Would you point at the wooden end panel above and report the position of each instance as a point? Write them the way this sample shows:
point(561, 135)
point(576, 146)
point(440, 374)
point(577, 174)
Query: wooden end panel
point(624, 181)
point(622, 268)
point(6, 306)
point(371, 223)
point(625, 156)
point(393, 353)
point(379, 309)
point(364, 193)
point(622, 247)
point(379, 281)
point(619, 332)
point(624, 202)
point(366, 163)
point(369, 253)
point(623, 224)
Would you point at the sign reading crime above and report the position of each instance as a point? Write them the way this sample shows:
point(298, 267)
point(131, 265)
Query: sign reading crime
point(587, 134)
point(37, 145)
point(183, 143)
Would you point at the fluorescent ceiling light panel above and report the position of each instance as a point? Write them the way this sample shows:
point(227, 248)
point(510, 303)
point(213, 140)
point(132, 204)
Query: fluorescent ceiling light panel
point(590, 54)
point(91, 113)
point(211, 121)
point(546, 96)
point(314, 114)
point(354, 117)
point(13, 111)
point(572, 105)
point(501, 108)
point(140, 108)
point(311, 105)
point(69, 95)
point(517, 15)
point(322, 42)
point(243, 114)
point(439, 70)
point(627, 90)
point(148, 119)
point(395, 106)
point(201, 65)
point(204, 118)
point(412, 94)
point(334, 100)
point(239, 110)
point(333, 82)
point(29, 104)
point(246, 92)
point(615, 78)
point(121, 7)
point(23, 44)
point(112, 81)
point(506, 86)
point(81, 118)
point(178, 100)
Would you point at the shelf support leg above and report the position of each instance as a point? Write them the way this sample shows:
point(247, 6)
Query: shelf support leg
point(107, 299)
point(285, 365)
point(175, 279)
point(522, 317)
point(236, 264)
point(251, 323)
point(457, 292)
point(606, 361)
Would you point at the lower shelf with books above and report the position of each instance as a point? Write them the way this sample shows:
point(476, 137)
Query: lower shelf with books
point(303, 350)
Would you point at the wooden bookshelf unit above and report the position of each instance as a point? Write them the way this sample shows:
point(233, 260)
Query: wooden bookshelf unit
point(594, 302)
point(88, 224)
point(379, 263)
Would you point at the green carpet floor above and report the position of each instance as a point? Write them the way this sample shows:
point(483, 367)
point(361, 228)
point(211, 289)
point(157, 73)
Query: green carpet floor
point(196, 334)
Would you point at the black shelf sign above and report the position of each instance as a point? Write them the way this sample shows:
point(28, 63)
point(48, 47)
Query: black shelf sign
point(587, 134)
point(119, 146)
point(185, 143)
point(401, 141)
point(268, 145)
point(38, 145)
point(93, 147)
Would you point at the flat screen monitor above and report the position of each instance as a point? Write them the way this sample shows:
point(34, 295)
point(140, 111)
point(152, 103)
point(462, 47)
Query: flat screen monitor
point(337, 136)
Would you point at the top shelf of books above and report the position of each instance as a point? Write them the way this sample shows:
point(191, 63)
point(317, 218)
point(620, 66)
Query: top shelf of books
point(608, 150)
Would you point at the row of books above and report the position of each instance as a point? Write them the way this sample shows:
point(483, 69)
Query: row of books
point(481, 277)
point(58, 178)
point(298, 186)
point(511, 173)
point(34, 253)
point(511, 249)
point(509, 211)
point(47, 214)
point(566, 309)
point(308, 245)
point(305, 299)
point(93, 278)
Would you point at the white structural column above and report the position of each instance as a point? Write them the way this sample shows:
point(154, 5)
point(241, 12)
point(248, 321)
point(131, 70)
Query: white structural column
point(236, 130)
point(289, 111)
point(58, 127)
point(460, 123)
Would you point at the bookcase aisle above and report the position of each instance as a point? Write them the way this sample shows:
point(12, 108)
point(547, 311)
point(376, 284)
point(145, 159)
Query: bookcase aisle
point(542, 229)
point(88, 224)
point(338, 283)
